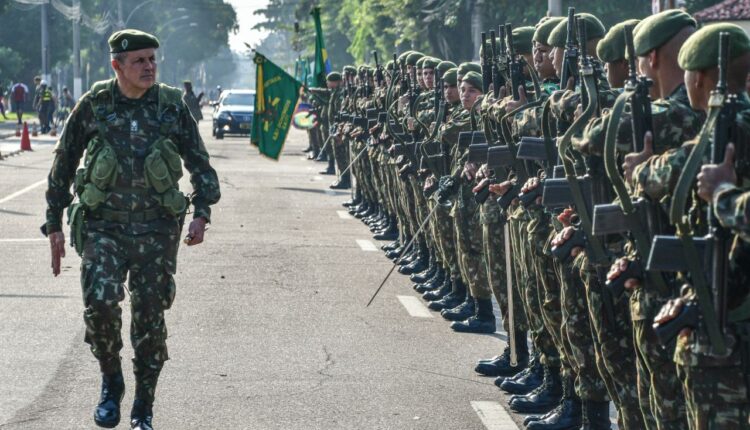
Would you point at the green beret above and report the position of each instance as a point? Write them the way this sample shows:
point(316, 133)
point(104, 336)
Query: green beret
point(420, 61)
point(522, 37)
point(594, 30)
point(656, 30)
point(474, 79)
point(389, 65)
point(334, 77)
point(545, 27)
point(350, 70)
point(411, 59)
point(402, 58)
point(450, 77)
point(488, 45)
point(430, 63)
point(465, 68)
point(444, 66)
point(612, 47)
point(701, 49)
point(131, 40)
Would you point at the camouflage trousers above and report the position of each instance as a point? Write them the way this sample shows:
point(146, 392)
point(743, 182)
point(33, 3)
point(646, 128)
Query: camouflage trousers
point(149, 260)
point(469, 244)
point(340, 152)
point(615, 347)
point(659, 388)
point(446, 240)
point(528, 287)
point(716, 396)
point(577, 333)
point(493, 236)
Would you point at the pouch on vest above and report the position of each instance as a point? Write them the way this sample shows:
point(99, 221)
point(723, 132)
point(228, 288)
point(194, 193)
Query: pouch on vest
point(75, 220)
point(174, 202)
point(92, 196)
point(163, 166)
point(103, 170)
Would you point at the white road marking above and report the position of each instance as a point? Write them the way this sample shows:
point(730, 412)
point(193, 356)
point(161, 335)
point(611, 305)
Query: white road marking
point(494, 416)
point(414, 306)
point(35, 239)
point(25, 190)
point(317, 178)
point(366, 245)
point(344, 215)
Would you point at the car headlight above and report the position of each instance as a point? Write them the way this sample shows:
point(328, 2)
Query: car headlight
point(225, 116)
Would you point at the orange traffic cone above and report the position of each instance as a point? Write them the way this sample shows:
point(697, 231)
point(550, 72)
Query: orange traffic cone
point(34, 132)
point(18, 130)
point(25, 141)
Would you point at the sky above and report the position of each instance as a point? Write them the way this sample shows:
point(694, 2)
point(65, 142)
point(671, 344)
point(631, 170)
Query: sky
point(246, 20)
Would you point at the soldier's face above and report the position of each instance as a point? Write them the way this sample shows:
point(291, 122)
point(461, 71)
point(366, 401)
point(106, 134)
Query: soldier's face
point(428, 76)
point(617, 72)
point(469, 95)
point(556, 55)
point(332, 84)
point(450, 92)
point(699, 87)
point(138, 69)
point(542, 61)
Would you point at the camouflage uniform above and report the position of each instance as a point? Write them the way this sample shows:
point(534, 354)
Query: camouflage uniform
point(129, 233)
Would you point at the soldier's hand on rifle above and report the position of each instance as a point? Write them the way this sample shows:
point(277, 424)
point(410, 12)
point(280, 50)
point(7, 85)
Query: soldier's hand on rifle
point(635, 158)
point(522, 100)
point(531, 184)
point(501, 188)
point(670, 311)
point(470, 171)
point(410, 123)
point(619, 267)
point(480, 186)
point(374, 129)
point(579, 111)
point(403, 101)
point(713, 175)
point(563, 236)
point(57, 248)
point(566, 217)
point(571, 85)
point(483, 172)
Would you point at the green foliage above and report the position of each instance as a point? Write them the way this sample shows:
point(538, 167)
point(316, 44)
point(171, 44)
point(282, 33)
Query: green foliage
point(11, 62)
point(353, 28)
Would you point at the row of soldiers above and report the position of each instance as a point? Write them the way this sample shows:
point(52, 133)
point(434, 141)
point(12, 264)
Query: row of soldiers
point(592, 181)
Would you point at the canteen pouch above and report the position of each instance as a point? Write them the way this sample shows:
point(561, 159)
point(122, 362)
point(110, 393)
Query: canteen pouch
point(92, 196)
point(163, 166)
point(75, 221)
point(103, 169)
point(174, 202)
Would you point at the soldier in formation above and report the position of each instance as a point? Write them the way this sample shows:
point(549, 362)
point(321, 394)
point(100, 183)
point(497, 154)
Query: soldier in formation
point(593, 182)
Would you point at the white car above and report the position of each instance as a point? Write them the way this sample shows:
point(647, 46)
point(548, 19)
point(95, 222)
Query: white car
point(233, 113)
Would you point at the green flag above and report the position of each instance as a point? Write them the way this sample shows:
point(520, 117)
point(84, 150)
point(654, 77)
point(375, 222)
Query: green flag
point(276, 96)
point(322, 63)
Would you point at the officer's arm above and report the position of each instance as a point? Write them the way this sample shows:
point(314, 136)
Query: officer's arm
point(202, 176)
point(68, 153)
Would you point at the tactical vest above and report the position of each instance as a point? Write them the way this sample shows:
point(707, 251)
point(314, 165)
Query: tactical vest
point(162, 165)
point(47, 96)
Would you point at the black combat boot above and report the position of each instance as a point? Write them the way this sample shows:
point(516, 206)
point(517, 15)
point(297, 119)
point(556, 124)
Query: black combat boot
point(107, 412)
point(391, 233)
point(483, 320)
point(440, 292)
point(566, 416)
point(542, 399)
point(428, 273)
point(343, 183)
point(330, 169)
point(322, 156)
point(526, 381)
point(141, 415)
point(418, 264)
point(391, 246)
point(500, 365)
point(595, 416)
point(451, 300)
point(354, 202)
point(433, 283)
point(461, 312)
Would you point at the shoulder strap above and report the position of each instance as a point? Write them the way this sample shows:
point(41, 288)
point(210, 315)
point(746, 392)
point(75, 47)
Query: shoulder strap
point(170, 103)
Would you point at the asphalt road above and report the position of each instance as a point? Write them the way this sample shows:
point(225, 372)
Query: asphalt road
point(269, 329)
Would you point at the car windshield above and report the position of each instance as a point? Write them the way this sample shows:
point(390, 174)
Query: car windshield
point(239, 99)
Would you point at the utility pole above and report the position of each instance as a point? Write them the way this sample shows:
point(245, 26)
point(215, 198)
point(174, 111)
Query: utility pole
point(77, 87)
point(120, 20)
point(554, 7)
point(45, 43)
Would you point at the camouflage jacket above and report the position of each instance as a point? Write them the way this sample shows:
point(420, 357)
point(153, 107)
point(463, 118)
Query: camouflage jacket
point(131, 130)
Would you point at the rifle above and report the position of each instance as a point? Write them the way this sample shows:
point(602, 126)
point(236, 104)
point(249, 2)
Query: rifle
point(515, 67)
point(710, 285)
point(497, 79)
point(486, 64)
point(378, 70)
point(570, 57)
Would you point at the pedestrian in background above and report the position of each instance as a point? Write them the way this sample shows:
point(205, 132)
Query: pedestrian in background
point(19, 93)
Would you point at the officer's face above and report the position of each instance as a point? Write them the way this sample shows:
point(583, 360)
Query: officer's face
point(428, 76)
point(469, 95)
point(542, 61)
point(138, 69)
